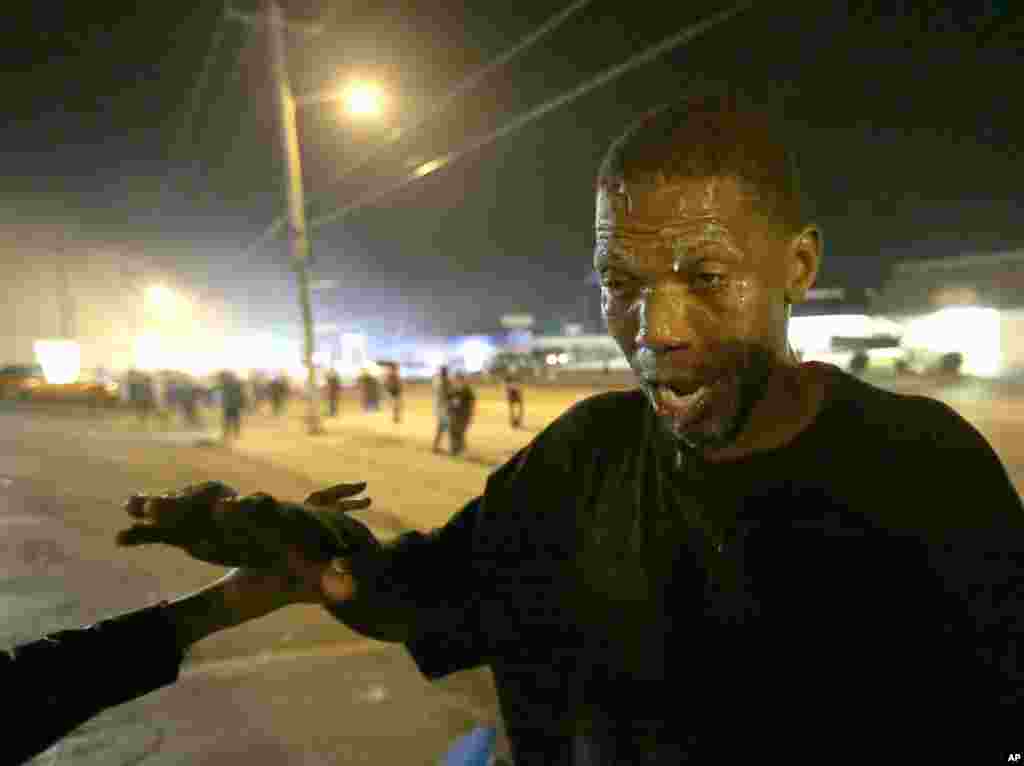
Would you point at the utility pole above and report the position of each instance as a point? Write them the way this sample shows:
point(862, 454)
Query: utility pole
point(296, 204)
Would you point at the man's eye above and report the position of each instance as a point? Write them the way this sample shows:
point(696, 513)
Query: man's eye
point(709, 280)
point(616, 285)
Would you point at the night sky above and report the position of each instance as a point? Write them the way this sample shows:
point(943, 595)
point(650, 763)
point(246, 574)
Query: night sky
point(908, 120)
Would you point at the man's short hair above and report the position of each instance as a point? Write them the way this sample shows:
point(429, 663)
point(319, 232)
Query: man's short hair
point(718, 135)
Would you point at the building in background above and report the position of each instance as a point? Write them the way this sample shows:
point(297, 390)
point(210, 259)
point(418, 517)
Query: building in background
point(968, 308)
point(834, 325)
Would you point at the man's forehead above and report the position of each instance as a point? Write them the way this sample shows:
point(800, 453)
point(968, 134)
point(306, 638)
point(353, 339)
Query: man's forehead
point(659, 202)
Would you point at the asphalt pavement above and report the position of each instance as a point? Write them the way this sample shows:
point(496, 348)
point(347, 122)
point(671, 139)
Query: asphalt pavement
point(295, 687)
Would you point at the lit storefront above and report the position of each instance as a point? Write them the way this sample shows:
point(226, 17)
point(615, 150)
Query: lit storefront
point(967, 310)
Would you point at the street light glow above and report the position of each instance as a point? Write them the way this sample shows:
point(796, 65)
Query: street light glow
point(159, 296)
point(363, 100)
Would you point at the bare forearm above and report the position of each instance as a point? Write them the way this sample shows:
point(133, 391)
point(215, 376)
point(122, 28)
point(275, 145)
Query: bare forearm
point(240, 596)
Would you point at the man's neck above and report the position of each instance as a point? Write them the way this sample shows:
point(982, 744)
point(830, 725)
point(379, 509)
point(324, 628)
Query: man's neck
point(794, 396)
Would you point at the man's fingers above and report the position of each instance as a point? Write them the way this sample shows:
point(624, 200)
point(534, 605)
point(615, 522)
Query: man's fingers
point(332, 495)
point(141, 534)
point(135, 505)
point(211, 492)
point(353, 505)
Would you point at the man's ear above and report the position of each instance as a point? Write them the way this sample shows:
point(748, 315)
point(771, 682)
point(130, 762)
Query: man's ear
point(804, 256)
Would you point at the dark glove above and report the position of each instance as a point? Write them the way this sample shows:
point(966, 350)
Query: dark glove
point(212, 524)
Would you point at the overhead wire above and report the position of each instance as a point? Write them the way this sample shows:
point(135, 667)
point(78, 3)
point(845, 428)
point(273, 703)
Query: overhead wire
point(686, 35)
point(467, 83)
point(194, 101)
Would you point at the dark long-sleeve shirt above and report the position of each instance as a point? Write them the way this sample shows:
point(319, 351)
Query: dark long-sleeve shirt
point(860, 589)
point(55, 684)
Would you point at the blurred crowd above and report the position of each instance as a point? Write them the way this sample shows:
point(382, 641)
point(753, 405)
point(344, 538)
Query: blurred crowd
point(168, 396)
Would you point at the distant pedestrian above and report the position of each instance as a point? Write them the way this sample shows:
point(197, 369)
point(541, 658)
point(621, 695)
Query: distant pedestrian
point(142, 396)
point(393, 384)
point(514, 394)
point(461, 405)
point(163, 398)
point(333, 392)
point(441, 389)
point(278, 394)
point(369, 388)
point(188, 400)
point(258, 382)
point(232, 402)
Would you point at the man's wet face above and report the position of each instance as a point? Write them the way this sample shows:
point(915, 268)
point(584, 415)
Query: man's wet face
point(693, 281)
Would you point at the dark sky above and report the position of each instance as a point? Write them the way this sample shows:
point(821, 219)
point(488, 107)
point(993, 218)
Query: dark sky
point(908, 119)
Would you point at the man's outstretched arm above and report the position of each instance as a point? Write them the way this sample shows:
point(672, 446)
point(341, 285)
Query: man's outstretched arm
point(59, 681)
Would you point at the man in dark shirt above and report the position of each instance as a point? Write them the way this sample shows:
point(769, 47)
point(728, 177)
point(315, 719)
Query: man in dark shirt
point(514, 395)
point(232, 402)
point(461, 405)
point(333, 392)
point(394, 388)
point(746, 558)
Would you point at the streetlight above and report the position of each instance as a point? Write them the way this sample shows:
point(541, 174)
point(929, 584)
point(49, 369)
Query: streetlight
point(362, 99)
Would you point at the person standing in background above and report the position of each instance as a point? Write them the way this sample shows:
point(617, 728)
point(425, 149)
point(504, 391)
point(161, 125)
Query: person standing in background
point(188, 399)
point(232, 402)
point(278, 394)
point(365, 382)
point(142, 396)
point(462, 403)
point(441, 390)
point(393, 383)
point(162, 398)
point(514, 394)
point(333, 392)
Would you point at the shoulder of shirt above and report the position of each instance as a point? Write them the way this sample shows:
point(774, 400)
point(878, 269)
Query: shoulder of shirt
point(580, 432)
point(597, 415)
point(899, 418)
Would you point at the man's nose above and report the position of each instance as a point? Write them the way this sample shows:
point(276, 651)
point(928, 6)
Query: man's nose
point(665, 320)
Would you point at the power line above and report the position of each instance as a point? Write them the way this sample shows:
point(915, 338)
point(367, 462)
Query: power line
point(194, 99)
point(216, 39)
point(466, 84)
point(686, 35)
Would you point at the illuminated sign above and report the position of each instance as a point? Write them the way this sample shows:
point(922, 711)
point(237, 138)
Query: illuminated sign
point(826, 294)
point(517, 321)
point(61, 360)
point(953, 296)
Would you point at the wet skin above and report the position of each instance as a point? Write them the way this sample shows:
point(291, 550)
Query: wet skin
point(694, 288)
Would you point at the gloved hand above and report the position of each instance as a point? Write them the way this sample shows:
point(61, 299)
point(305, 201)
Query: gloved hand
point(212, 523)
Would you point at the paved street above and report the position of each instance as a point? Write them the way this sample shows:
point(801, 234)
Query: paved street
point(295, 687)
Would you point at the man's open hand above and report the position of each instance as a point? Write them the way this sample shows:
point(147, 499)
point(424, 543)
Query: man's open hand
point(211, 523)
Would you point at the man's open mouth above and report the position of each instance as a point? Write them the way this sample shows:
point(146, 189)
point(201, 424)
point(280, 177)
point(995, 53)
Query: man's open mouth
point(683, 403)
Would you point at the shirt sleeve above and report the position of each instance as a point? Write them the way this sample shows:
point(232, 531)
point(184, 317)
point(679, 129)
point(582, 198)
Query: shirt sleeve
point(420, 590)
point(460, 595)
point(450, 636)
point(981, 558)
point(58, 682)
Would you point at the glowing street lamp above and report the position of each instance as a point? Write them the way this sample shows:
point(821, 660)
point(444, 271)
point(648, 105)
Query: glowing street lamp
point(360, 98)
point(363, 99)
